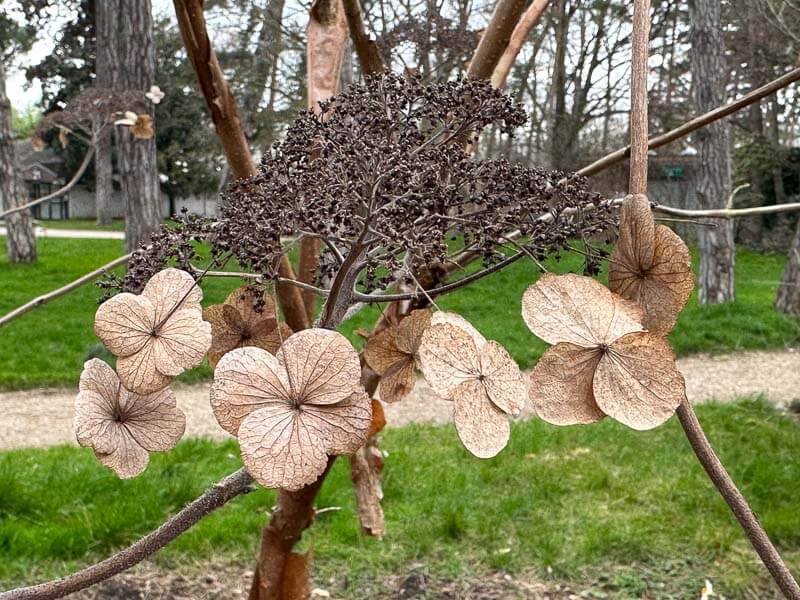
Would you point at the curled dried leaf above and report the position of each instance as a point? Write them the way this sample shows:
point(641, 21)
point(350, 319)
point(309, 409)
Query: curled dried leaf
point(157, 334)
point(392, 354)
point(602, 363)
point(122, 427)
point(651, 266)
point(246, 318)
point(482, 380)
point(292, 410)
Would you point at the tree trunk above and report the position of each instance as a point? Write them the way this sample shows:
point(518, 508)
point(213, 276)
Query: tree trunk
point(713, 178)
point(558, 118)
point(20, 237)
point(788, 297)
point(137, 158)
point(105, 23)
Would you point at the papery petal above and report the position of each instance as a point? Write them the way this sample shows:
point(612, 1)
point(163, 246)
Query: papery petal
point(170, 290)
point(410, 330)
point(154, 420)
point(440, 317)
point(139, 373)
point(560, 387)
point(448, 357)
point(124, 323)
point(182, 342)
point(397, 382)
point(226, 327)
point(342, 427)
point(504, 382)
point(381, 351)
point(128, 459)
point(482, 427)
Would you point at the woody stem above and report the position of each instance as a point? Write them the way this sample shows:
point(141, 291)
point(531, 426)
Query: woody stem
point(736, 502)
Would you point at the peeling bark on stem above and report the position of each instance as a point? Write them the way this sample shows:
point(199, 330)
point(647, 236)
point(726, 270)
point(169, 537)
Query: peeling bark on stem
point(518, 36)
point(638, 118)
point(495, 38)
point(224, 114)
point(736, 502)
point(366, 49)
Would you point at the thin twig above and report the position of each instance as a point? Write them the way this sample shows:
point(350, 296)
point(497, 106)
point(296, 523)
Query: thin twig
point(52, 295)
point(736, 501)
point(216, 496)
point(638, 115)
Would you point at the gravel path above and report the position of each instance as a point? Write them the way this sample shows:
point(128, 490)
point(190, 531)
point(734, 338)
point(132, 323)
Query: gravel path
point(39, 418)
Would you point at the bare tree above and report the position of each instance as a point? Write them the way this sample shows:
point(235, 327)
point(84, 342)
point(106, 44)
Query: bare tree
point(20, 238)
point(107, 49)
point(713, 180)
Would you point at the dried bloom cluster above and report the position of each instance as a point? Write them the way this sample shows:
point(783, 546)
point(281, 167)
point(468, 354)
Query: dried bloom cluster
point(603, 361)
point(140, 125)
point(157, 334)
point(392, 354)
point(483, 381)
point(122, 427)
point(246, 318)
point(651, 266)
point(381, 176)
point(293, 410)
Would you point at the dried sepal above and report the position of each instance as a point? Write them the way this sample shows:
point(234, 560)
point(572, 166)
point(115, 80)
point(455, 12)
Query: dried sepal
point(602, 363)
point(246, 318)
point(651, 266)
point(481, 379)
point(157, 334)
point(293, 410)
point(392, 354)
point(122, 427)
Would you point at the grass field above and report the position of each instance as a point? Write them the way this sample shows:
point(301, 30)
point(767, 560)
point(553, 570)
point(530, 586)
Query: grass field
point(48, 346)
point(601, 503)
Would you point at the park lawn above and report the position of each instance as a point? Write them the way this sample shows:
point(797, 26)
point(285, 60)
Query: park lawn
point(628, 513)
point(48, 346)
point(86, 224)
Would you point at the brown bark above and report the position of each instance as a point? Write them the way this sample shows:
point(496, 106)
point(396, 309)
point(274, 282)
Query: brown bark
point(105, 21)
point(138, 170)
point(788, 297)
point(518, 36)
point(495, 38)
point(224, 114)
point(366, 49)
point(713, 179)
point(559, 124)
point(20, 237)
point(638, 118)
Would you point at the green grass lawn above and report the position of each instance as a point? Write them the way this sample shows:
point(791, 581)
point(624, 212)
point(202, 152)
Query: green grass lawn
point(47, 347)
point(91, 224)
point(628, 512)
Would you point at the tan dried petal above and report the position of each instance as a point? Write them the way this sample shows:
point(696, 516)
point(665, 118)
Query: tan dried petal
point(482, 427)
point(448, 357)
point(245, 299)
point(440, 317)
point(410, 330)
point(226, 328)
point(139, 372)
point(504, 382)
point(398, 381)
point(579, 310)
point(182, 342)
point(278, 449)
point(128, 460)
point(637, 382)
point(124, 323)
point(561, 385)
point(270, 340)
point(651, 266)
point(154, 420)
point(245, 380)
point(381, 352)
point(96, 400)
point(341, 428)
point(170, 290)
point(321, 366)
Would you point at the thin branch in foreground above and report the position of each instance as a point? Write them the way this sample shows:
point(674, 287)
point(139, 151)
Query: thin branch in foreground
point(52, 295)
point(736, 501)
point(59, 192)
point(216, 496)
point(696, 123)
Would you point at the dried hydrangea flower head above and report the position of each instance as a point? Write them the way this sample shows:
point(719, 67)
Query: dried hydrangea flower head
point(157, 334)
point(479, 376)
point(121, 427)
point(603, 362)
point(293, 410)
point(246, 318)
point(392, 354)
point(651, 266)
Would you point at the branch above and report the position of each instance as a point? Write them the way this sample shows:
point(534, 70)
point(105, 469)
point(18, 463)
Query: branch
point(52, 295)
point(697, 122)
point(495, 38)
point(366, 49)
point(638, 115)
point(59, 192)
point(216, 496)
point(736, 501)
point(259, 278)
point(729, 213)
point(518, 36)
point(225, 115)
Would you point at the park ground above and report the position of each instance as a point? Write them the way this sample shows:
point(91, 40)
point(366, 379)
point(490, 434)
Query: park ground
point(580, 512)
